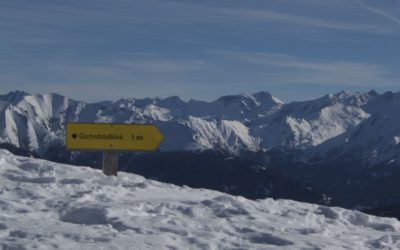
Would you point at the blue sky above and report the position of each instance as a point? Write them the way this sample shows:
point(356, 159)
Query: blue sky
point(296, 49)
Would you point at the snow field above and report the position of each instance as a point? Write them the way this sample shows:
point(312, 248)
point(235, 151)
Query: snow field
point(44, 205)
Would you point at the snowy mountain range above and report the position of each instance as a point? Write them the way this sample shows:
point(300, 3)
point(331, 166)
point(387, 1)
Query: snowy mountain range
point(45, 205)
point(36, 122)
point(343, 144)
point(339, 123)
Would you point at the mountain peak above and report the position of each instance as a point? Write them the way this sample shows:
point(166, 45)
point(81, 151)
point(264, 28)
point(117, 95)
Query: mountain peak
point(14, 97)
point(372, 92)
point(230, 99)
point(342, 94)
point(172, 102)
point(53, 94)
point(264, 97)
point(172, 99)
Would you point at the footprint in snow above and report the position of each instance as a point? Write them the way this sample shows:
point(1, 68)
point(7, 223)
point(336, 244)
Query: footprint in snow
point(71, 181)
point(360, 219)
point(41, 169)
point(262, 238)
point(85, 215)
point(18, 234)
point(37, 180)
point(3, 226)
point(91, 215)
point(269, 239)
point(327, 212)
point(12, 246)
point(29, 167)
point(385, 242)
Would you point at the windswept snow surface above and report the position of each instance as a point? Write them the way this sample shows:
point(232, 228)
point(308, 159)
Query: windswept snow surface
point(45, 205)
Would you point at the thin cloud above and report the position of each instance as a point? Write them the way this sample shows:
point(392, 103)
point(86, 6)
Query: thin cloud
point(265, 15)
point(380, 12)
point(66, 16)
point(164, 65)
point(228, 14)
point(290, 69)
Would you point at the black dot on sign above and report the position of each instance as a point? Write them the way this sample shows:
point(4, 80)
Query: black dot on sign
point(74, 136)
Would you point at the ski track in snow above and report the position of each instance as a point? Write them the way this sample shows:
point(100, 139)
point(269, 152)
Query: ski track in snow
point(45, 205)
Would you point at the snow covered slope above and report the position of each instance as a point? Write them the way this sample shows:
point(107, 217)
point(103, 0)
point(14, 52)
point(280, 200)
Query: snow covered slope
point(45, 205)
point(308, 124)
point(377, 136)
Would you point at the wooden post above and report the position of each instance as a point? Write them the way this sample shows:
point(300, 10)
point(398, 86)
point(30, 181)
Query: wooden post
point(110, 163)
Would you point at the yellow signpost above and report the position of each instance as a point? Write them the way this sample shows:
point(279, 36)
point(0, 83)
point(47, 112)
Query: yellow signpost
point(112, 139)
